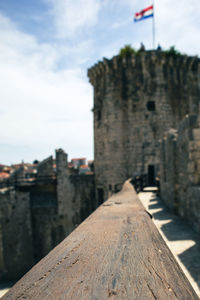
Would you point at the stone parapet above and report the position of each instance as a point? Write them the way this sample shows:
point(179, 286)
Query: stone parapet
point(180, 176)
point(116, 253)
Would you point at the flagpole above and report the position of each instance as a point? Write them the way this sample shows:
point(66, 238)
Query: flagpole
point(153, 27)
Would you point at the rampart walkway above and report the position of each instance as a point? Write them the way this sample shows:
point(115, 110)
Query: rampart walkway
point(180, 238)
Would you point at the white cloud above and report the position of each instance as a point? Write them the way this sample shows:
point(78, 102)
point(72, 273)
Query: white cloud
point(71, 17)
point(41, 105)
point(178, 25)
point(17, 47)
point(121, 24)
point(137, 5)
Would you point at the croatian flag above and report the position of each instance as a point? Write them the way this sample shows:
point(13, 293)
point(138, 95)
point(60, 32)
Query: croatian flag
point(144, 14)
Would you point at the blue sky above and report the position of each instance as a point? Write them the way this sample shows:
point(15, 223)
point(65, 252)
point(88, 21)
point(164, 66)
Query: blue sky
point(46, 47)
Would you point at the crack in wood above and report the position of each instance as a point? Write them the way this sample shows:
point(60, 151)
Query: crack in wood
point(150, 289)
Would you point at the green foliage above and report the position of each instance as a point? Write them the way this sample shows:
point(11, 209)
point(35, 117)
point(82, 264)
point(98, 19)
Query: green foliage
point(172, 51)
point(127, 50)
point(35, 162)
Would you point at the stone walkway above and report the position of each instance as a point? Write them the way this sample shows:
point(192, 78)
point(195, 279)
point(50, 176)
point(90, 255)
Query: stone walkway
point(180, 238)
point(4, 288)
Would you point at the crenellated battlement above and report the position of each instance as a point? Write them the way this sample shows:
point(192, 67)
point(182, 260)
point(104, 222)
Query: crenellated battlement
point(145, 58)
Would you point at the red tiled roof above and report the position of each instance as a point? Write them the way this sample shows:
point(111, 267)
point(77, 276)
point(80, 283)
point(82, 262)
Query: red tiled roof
point(78, 158)
point(84, 167)
point(4, 175)
point(23, 165)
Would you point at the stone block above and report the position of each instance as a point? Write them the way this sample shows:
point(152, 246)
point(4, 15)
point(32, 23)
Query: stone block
point(192, 146)
point(198, 165)
point(196, 179)
point(195, 155)
point(191, 167)
point(196, 134)
point(191, 178)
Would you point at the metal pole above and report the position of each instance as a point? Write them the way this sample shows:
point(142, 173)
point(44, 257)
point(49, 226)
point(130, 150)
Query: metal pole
point(153, 26)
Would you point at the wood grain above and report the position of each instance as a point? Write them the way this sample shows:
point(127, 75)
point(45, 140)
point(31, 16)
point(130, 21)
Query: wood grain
point(116, 253)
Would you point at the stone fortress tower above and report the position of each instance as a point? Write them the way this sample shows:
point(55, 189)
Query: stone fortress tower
point(137, 99)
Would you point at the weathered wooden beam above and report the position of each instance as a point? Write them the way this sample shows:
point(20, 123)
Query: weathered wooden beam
point(116, 253)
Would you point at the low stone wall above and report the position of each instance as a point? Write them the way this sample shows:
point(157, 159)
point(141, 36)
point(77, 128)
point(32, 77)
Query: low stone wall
point(180, 170)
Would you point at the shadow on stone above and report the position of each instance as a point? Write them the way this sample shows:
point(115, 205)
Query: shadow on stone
point(191, 260)
point(155, 205)
point(179, 230)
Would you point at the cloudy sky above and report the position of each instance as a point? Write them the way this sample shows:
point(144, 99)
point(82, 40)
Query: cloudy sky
point(46, 47)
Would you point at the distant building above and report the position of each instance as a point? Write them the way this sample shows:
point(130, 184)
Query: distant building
point(77, 162)
point(84, 169)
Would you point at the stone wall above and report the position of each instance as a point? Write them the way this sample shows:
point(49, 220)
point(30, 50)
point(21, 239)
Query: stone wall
point(168, 171)
point(35, 217)
point(45, 167)
point(17, 176)
point(180, 170)
point(138, 98)
point(44, 218)
point(84, 201)
point(75, 193)
point(16, 234)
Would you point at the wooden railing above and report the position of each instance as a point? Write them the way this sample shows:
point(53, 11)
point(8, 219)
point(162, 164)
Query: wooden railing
point(116, 253)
